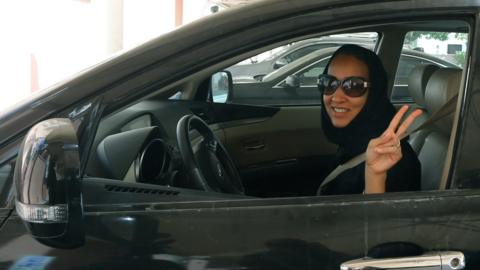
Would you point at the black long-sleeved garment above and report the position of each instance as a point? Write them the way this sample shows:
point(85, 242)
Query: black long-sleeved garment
point(404, 176)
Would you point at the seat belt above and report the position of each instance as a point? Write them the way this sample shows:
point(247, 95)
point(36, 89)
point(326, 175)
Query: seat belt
point(445, 110)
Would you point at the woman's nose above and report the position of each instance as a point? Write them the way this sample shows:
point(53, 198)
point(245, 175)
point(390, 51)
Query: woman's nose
point(339, 95)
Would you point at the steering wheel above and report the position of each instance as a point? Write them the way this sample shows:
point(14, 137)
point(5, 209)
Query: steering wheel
point(205, 159)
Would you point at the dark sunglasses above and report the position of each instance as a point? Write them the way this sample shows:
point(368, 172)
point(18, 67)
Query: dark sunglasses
point(352, 86)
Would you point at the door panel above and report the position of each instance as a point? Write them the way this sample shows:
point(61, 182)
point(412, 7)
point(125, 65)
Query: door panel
point(297, 233)
point(283, 155)
point(293, 132)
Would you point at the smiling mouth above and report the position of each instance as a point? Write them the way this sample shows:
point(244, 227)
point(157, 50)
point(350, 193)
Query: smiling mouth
point(339, 110)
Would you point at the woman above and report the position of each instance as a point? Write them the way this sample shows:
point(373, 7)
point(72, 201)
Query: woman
point(358, 116)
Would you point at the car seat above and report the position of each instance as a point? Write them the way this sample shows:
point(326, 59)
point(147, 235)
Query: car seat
point(443, 84)
point(417, 84)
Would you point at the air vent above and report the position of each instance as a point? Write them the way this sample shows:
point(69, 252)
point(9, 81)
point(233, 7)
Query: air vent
point(113, 188)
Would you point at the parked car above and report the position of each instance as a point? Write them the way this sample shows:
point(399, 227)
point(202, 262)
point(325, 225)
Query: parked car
point(291, 52)
point(296, 82)
point(103, 170)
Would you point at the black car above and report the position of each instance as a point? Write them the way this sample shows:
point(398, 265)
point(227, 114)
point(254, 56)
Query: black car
point(130, 164)
point(296, 82)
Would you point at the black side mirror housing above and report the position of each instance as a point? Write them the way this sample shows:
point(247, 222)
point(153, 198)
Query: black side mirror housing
point(48, 187)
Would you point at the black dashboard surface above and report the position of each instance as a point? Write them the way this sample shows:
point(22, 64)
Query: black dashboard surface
point(163, 115)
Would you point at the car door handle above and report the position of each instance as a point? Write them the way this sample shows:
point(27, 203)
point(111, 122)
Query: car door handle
point(440, 260)
point(254, 145)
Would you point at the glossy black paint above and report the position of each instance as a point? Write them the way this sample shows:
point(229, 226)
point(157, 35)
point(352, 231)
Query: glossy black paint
point(299, 233)
point(272, 234)
point(467, 151)
point(47, 174)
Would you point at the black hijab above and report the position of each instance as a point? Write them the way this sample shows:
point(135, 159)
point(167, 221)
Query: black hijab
point(374, 117)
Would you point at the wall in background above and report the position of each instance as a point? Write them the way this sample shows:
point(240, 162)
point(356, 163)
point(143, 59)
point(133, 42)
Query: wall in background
point(46, 41)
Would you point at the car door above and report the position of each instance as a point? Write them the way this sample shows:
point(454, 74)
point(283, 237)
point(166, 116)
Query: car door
point(6, 175)
point(131, 225)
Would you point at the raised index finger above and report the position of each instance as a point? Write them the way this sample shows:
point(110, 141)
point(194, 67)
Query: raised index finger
point(396, 119)
point(404, 126)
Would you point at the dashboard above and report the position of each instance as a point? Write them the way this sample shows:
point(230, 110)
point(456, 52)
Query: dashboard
point(139, 144)
point(139, 122)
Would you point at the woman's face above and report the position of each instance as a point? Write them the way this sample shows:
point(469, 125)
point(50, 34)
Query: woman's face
point(341, 108)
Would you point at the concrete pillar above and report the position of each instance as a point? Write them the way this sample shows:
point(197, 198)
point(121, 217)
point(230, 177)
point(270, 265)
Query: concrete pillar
point(178, 13)
point(114, 25)
point(34, 86)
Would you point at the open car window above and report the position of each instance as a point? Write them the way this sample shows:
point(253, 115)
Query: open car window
point(265, 82)
point(281, 142)
point(441, 49)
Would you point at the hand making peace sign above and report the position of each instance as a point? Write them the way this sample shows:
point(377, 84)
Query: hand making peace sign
point(385, 151)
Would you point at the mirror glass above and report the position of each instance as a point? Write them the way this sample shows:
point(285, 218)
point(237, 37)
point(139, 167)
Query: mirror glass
point(219, 85)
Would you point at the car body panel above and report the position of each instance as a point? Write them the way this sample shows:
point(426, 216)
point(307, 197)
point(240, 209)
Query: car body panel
point(259, 235)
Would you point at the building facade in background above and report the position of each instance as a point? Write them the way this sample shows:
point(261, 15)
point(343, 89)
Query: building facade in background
point(46, 41)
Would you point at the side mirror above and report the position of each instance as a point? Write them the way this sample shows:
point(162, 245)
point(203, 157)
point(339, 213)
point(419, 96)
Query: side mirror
point(259, 77)
point(292, 81)
point(221, 86)
point(48, 188)
point(280, 63)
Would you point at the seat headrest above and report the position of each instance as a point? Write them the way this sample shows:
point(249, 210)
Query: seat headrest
point(417, 82)
point(442, 86)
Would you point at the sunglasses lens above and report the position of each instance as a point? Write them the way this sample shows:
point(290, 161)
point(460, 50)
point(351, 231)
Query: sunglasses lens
point(325, 84)
point(354, 87)
point(334, 84)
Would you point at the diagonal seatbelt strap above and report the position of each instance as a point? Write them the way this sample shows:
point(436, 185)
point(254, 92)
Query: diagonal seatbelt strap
point(445, 110)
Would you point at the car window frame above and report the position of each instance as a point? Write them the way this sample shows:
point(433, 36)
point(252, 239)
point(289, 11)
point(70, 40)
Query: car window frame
point(310, 105)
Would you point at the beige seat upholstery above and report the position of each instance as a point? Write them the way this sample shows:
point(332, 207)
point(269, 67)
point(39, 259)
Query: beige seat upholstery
point(417, 84)
point(441, 87)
